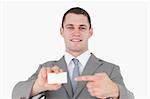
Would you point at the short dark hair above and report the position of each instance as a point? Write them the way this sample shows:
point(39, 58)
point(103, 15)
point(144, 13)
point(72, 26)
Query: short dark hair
point(77, 10)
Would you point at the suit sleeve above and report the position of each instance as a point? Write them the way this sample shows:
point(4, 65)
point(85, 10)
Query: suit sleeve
point(117, 78)
point(22, 90)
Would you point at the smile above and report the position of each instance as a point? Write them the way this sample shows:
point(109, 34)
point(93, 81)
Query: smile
point(76, 40)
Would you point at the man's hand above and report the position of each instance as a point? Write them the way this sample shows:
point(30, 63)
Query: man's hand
point(41, 84)
point(100, 85)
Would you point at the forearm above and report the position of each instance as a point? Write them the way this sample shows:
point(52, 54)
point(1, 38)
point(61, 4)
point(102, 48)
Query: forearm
point(22, 89)
point(36, 89)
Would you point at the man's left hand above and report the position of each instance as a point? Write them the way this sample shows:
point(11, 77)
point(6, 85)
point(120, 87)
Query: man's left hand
point(100, 85)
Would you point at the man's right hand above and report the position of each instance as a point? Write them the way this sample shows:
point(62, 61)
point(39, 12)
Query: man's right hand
point(41, 84)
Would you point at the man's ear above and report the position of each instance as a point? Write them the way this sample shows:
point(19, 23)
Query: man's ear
point(61, 31)
point(91, 31)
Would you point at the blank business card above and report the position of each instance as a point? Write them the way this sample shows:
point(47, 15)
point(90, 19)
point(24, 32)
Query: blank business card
point(60, 78)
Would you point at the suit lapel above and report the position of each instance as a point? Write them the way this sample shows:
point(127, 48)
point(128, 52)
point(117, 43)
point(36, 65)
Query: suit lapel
point(90, 68)
point(62, 64)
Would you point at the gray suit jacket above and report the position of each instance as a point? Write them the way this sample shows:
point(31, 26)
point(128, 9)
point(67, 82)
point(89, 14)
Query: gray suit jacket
point(22, 90)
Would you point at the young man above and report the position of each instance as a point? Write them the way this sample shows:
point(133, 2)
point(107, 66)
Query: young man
point(88, 76)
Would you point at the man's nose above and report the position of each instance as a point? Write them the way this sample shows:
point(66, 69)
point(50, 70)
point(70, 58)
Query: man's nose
point(76, 32)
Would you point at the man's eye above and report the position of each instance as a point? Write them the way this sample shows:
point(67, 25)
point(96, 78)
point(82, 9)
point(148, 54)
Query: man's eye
point(70, 28)
point(82, 28)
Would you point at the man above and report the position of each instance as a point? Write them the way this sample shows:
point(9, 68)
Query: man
point(88, 76)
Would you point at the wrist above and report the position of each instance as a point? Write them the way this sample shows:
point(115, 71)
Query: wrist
point(116, 91)
point(36, 89)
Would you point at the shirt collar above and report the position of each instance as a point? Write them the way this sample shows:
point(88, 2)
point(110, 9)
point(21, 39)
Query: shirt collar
point(83, 58)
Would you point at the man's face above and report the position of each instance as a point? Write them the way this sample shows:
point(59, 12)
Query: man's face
point(76, 32)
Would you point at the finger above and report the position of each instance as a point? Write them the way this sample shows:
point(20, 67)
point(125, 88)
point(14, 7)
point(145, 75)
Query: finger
point(57, 87)
point(54, 86)
point(101, 74)
point(95, 93)
point(49, 70)
point(61, 70)
point(55, 69)
point(42, 73)
point(85, 78)
point(92, 92)
point(90, 85)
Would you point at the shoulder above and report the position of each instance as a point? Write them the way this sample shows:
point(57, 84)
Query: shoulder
point(107, 67)
point(104, 63)
point(49, 63)
point(109, 64)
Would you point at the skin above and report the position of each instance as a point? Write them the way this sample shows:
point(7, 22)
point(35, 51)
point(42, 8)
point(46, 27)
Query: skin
point(76, 32)
point(41, 84)
point(100, 86)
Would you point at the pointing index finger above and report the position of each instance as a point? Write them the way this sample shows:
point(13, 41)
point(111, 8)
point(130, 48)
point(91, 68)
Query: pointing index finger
point(85, 78)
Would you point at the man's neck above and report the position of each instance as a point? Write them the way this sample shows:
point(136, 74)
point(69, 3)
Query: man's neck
point(76, 54)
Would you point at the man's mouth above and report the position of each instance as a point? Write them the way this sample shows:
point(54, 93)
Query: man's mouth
point(76, 40)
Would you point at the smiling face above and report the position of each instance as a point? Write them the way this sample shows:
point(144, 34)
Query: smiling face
point(76, 31)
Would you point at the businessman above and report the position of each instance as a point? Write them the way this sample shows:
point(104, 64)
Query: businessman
point(88, 76)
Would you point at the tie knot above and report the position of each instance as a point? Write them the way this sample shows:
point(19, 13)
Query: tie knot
point(75, 61)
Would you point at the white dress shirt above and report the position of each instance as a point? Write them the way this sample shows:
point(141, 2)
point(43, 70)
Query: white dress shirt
point(83, 58)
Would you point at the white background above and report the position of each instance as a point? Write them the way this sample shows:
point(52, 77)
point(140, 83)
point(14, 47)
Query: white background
point(29, 36)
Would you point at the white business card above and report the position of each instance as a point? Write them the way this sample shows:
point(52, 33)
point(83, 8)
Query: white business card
point(60, 78)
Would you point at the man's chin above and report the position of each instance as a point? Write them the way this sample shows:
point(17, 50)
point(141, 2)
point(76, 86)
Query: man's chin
point(75, 49)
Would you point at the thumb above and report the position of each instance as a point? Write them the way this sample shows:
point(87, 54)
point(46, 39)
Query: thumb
point(100, 74)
